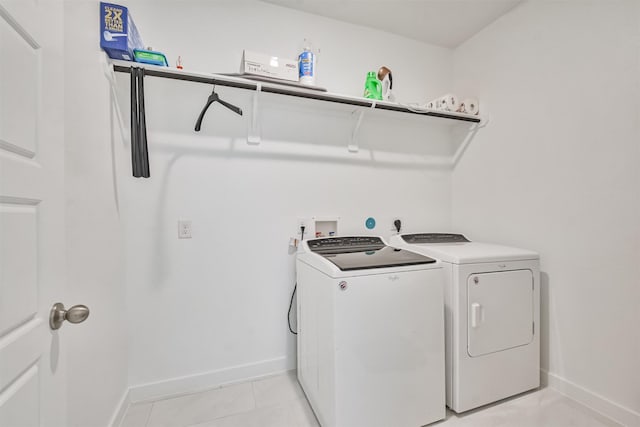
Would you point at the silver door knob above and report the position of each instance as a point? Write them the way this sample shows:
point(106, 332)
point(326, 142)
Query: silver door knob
point(58, 314)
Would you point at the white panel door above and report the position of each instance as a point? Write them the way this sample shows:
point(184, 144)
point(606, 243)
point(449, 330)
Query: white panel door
point(32, 261)
point(500, 311)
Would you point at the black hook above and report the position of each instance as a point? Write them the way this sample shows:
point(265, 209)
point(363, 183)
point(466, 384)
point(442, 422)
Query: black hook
point(215, 98)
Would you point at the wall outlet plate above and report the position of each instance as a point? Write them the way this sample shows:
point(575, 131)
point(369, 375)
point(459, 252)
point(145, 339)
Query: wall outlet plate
point(184, 229)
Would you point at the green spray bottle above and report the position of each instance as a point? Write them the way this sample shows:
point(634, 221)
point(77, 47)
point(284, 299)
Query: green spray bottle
point(372, 86)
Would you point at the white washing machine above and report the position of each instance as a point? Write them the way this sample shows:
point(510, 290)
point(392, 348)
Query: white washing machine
point(370, 333)
point(492, 317)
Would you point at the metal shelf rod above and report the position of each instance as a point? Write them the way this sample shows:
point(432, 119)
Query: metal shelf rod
point(155, 72)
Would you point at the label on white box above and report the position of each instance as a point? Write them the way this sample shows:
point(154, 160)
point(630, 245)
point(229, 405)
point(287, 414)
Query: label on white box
point(269, 66)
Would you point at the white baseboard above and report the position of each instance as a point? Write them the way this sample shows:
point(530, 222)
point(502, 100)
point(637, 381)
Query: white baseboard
point(121, 409)
point(213, 379)
point(208, 380)
point(604, 406)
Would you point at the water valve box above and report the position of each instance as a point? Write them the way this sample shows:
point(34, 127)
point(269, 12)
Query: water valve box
point(118, 33)
point(261, 64)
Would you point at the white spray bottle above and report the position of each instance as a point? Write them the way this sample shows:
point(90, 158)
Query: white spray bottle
point(307, 65)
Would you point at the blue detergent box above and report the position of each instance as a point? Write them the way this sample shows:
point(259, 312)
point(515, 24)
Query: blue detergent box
point(118, 33)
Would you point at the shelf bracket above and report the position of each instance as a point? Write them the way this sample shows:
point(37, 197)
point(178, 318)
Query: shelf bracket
point(484, 120)
point(470, 135)
point(353, 146)
point(253, 136)
point(110, 75)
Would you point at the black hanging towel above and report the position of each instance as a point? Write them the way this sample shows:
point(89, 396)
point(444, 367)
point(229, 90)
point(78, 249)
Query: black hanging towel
point(139, 150)
point(134, 124)
point(142, 122)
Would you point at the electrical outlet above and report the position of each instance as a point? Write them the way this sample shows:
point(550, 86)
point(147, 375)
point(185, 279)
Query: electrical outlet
point(303, 222)
point(184, 229)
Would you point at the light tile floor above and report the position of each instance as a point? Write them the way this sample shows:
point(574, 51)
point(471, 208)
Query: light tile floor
point(278, 401)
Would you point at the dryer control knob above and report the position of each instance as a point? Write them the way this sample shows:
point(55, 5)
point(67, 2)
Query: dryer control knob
point(476, 280)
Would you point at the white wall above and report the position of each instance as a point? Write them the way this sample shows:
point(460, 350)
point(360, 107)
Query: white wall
point(557, 171)
point(215, 306)
point(98, 353)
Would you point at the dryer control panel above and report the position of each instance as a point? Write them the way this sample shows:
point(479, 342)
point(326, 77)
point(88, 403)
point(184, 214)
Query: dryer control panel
point(434, 238)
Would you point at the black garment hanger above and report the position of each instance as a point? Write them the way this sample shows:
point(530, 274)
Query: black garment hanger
point(213, 98)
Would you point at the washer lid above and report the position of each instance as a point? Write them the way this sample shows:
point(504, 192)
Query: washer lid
point(363, 252)
point(466, 252)
point(376, 258)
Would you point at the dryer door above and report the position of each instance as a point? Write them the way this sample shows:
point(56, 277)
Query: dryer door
point(499, 311)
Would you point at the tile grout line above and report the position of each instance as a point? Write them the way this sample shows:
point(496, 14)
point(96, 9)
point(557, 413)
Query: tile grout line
point(253, 393)
point(230, 415)
point(146, 422)
point(253, 408)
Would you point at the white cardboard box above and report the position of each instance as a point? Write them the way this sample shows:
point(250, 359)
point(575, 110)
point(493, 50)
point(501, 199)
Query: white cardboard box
point(261, 64)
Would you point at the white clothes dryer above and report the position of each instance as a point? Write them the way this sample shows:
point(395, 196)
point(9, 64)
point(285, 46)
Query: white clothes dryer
point(492, 317)
point(370, 333)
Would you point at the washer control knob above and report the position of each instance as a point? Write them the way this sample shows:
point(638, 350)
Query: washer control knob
point(342, 285)
point(476, 280)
